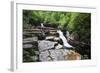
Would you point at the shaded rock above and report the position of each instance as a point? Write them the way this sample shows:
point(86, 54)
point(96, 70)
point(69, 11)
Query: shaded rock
point(49, 58)
point(34, 58)
point(35, 44)
point(26, 35)
point(27, 41)
point(60, 41)
point(27, 46)
point(36, 52)
point(41, 36)
point(31, 39)
point(25, 53)
point(74, 36)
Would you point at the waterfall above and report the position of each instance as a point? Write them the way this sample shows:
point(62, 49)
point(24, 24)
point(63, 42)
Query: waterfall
point(67, 34)
point(42, 30)
point(42, 25)
point(65, 42)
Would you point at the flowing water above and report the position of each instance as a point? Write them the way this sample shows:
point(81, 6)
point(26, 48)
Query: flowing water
point(65, 42)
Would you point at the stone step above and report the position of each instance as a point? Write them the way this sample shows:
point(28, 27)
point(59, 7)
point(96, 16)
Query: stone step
point(27, 42)
point(31, 39)
point(27, 46)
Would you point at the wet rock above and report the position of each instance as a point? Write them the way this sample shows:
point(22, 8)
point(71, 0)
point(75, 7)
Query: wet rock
point(60, 41)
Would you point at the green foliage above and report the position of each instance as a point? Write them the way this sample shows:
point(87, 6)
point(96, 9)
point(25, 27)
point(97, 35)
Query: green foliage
point(72, 21)
point(81, 23)
point(37, 17)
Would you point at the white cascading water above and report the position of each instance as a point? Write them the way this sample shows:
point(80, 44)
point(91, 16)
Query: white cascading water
point(42, 30)
point(42, 25)
point(65, 42)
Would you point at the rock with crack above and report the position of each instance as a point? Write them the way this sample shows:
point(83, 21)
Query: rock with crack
point(49, 58)
point(43, 56)
point(65, 51)
point(45, 45)
point(56, 55)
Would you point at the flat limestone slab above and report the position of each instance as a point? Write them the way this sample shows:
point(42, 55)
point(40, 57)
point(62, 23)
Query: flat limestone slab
point(45, 45)
point(27, 46)
point(31, 39)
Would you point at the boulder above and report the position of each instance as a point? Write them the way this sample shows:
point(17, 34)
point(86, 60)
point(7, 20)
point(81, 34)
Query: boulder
point(64, 51)
point(56, 55)
point(44, 45)
point(72, 56)
point(43, 56)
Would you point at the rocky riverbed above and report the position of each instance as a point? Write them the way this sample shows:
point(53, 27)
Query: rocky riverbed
point(48, 49)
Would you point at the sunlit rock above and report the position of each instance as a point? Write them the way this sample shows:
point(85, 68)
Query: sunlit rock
point(72, 56)
point(43, 56)
point(44, 45)
point(56, 55)
point(58, 46)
